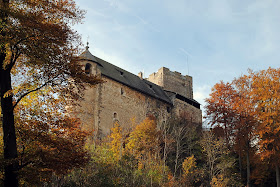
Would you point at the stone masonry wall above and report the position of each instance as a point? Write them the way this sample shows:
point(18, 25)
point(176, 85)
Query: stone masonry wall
point(173, 81)
point(194, 113)
point(112, 102)
point(123, 104)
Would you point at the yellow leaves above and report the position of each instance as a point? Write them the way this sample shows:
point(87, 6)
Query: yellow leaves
point(144, 138)
point(8, 93)
point(117, 141)
point(189, 165)
point(8, 57)
point(219, 181)
point(52, 141)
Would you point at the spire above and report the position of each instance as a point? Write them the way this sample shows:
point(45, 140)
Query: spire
point(86, 55)
point(87, 43)
point(87, 46)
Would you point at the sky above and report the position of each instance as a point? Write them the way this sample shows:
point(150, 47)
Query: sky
point(210, 40)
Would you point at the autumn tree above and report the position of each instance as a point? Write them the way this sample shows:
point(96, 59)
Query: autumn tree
point(36, 35)
point(266, 96)
point(116, 143)
point(245, 121)
point(183, 136)
point(124, 159)
point(144, 144)
point(251, 104)
point(219, 109)
point(50, 142)
point(218, 159)
point(230, 108)
point(190, 171)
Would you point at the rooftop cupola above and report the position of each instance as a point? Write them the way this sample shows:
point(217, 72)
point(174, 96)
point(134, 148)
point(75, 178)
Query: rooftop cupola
point(86, 55)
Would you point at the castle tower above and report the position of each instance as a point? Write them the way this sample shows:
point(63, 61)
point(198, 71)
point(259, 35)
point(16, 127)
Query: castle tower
point(173, 82)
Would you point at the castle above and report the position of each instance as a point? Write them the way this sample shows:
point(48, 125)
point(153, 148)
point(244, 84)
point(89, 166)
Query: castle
point(124, 96)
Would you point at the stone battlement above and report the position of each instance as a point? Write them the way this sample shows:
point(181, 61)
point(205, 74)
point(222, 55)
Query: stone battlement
point(173, 81)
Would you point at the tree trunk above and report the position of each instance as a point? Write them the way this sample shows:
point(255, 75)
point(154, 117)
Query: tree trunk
point(277, 176)
point(248, 168)
point(240, 164)
point(239, 158)
point(9, 135)
point(9, 138)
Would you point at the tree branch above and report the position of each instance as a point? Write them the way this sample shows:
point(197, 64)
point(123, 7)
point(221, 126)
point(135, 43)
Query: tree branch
point(23, 165)
point(30, 91)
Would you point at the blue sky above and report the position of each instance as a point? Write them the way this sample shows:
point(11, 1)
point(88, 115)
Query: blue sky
point(210, 40)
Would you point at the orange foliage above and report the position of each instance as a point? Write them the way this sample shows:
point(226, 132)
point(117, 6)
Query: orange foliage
point(49, 142)
point(36, 35)
point(266, 96)
point(250, 106)
point(219, 108)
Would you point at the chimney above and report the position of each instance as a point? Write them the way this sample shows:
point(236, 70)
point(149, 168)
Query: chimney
point(140, 74)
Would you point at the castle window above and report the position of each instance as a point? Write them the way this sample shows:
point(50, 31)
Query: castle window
point(87, 68)
point(158, 104)
point(168, 109)
point(115, 115)
point(122, 91)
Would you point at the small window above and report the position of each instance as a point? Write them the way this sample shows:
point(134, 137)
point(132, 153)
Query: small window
point(168, 109)
point(115, 115)
point(88, 68)
point(122, 91)
point(158, 104)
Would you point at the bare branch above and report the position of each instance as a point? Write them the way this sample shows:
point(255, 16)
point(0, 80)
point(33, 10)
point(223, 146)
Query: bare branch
point(34, 90)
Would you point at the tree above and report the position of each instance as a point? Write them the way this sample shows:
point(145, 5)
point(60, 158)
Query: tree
point(49, 141)
point(266, 96)
point(219, 109)
point(116, 143)
point(190, 171)
point(144, 143)
point(36, 34)
point(245, 120)
point(230, 106)
point(182, 135)
point(251, 104)
point(219, 162)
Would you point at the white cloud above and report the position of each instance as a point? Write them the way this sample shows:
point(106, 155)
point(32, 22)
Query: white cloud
point(201, 93)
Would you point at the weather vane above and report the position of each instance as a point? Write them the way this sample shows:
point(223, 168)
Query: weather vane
point(87, 43)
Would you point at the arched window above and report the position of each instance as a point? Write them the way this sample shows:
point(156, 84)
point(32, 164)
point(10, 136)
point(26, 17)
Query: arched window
point(88, 68)
point(115, 115)
point(115, 118)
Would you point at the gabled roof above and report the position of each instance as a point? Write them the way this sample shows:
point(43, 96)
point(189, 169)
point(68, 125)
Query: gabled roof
point(122, 76)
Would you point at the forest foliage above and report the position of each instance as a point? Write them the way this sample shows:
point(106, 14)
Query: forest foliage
point(246, 113)
point(39, 53)
point(240, 149)
point(136, 158)
point(43, 145)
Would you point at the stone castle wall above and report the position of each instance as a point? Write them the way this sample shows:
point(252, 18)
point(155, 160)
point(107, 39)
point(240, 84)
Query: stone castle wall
point(173, 81)
point(194, 113)
point(111, 102)
point(119, 103)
